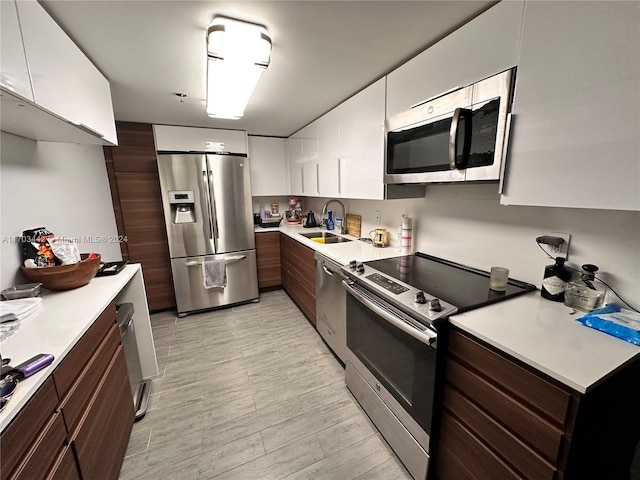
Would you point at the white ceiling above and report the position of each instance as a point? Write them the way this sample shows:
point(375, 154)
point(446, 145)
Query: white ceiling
point(323, 52)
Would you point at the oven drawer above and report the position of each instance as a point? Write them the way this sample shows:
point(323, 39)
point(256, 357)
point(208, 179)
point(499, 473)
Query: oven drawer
point(413, 456)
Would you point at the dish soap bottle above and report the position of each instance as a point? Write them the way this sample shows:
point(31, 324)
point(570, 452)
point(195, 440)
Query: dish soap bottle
point(554, 281)
point(330, 224)
point(586, 294)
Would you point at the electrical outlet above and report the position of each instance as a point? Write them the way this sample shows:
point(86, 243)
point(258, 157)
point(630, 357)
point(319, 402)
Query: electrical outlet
point(561, 250)
point(378, 217)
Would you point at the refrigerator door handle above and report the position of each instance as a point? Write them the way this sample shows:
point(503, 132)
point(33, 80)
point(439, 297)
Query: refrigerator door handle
point(214, 212)
point(208, 197)
point(227, 260)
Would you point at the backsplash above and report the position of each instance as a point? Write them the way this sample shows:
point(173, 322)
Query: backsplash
point(60, 186)
point(466, 224)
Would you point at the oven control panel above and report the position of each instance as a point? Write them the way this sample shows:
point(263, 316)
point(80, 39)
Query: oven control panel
point(387, 283)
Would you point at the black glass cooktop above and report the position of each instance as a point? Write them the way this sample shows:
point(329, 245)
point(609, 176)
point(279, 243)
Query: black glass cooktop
point(462, 286)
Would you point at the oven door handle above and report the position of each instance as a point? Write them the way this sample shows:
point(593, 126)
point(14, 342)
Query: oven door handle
point(427, 336)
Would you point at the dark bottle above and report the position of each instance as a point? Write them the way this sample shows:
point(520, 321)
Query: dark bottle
point(555, 278)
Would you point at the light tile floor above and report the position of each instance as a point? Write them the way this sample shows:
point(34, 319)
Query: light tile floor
point(252, 392)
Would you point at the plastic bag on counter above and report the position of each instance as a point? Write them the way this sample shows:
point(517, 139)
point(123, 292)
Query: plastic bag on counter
point(36, 248)
point(65, 250)
point(616, 321)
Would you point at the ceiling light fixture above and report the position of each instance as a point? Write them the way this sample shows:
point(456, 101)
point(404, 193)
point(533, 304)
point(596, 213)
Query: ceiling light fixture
point(237, 54)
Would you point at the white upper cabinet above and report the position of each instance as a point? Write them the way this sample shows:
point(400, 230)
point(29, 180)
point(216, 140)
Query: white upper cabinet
point(575, 136)
point(303, 161)
point(15, 74)
point(361, 143)
point(64, 81)
point(485, 46)
point(267, 162)
point(171, 138)
point(329, 155)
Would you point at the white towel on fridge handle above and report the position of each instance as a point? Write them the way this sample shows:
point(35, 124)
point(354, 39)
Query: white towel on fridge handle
point(215, 273)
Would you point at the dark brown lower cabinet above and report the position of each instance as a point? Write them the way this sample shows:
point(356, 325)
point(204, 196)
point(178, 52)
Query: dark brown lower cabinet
point(503, 419)
point(268, 259)
point(77, 425)
point(298, 271)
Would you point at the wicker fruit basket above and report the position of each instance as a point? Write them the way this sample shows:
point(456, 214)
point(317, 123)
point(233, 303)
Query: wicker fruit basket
point(65, 277)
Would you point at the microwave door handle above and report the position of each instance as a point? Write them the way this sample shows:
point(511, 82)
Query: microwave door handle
point(465, 115)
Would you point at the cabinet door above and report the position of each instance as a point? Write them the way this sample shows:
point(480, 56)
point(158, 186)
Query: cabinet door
point(15, 74)
point(361, 163)
point(485, 46)
point(329, 155)
point(267, 161)
point(102, 438)
point(268, 259)
point(294, 146)
point(186, 139)
point(575, 134)
point(64, 81)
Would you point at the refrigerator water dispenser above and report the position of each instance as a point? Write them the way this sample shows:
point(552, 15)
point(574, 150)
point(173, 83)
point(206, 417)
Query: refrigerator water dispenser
point(182, 206)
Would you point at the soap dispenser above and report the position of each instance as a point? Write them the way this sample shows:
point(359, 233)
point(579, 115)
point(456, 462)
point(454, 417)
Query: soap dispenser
point(554, 281)
point(330, 224)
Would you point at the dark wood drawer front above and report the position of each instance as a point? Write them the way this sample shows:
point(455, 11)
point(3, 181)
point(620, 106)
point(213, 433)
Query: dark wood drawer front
point(499, 439)
point(76, 359)
point(65, 467)
point(268, 259)
point(18, 437)
point(538, 433)
point(479, 463)
point(44, 452)
point(100, 452)
point(525, 385)
point(78, 396)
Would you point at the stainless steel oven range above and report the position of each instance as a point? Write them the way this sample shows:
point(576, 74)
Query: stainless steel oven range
point(397, 311)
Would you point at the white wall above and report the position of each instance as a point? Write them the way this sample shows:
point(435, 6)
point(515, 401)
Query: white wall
point(466, 223)
point(61, 186)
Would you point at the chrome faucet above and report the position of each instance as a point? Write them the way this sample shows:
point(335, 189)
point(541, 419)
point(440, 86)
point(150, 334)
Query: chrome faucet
point(343, 227)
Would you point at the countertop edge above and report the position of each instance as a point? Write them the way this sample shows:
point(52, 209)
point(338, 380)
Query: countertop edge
point(55, 305)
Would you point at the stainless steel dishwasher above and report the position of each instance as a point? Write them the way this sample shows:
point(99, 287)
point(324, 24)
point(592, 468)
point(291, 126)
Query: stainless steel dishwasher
point(331, 305)
point(140, 388)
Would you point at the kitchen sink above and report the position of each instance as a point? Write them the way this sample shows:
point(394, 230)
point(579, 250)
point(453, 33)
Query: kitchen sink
point(325, 237)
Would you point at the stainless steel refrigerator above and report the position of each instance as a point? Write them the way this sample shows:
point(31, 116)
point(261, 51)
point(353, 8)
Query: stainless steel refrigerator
point(208, 213)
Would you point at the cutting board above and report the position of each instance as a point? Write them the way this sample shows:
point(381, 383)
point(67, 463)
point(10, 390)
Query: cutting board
point(354, 224)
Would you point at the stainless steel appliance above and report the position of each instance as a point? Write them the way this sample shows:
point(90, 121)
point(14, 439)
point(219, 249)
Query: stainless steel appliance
point(397, 311)
point(458, 136)
point(208, 214)
point(331, 305)
point(140, 388)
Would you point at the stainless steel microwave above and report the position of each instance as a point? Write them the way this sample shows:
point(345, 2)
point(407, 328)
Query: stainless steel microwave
point(458, 136)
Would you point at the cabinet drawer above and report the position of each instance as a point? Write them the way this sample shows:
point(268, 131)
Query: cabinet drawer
point(479, 462)
point(524, 423)
point(44, 451)
point(528, 387)
point(498, 438)
point(65, 467)
point(19, 435)
point(101, 439)
point(78, 396)
point(75, 361)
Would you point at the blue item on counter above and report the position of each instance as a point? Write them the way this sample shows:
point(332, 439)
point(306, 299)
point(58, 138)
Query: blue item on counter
point(611, 319)
point(330, 224)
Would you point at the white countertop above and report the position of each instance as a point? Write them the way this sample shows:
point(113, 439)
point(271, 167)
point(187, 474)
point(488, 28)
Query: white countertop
point(341, 253)
point(55, 328)
point(536, 331)
point(545, 336)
